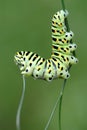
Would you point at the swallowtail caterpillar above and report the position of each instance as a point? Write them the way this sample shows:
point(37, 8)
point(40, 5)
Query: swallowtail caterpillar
point(61, 57)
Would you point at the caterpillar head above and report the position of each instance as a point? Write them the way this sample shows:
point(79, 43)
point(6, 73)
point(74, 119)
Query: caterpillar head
point(26, 61)
point(20, 60)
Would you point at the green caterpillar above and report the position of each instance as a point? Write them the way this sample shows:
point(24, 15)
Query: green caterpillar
point(61, 58)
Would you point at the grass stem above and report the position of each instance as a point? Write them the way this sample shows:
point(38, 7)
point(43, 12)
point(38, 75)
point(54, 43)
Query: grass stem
point(60, 97)
point(55, 106)
point(18, 116)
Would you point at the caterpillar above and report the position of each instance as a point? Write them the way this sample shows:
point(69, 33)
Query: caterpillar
point(61, 58)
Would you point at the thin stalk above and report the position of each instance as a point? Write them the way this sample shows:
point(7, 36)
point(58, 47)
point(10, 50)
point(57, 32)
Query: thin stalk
point(60, 97)
point(64, 83)
point(18, 116)
point(63, 4)
point(60, 103)
point(66, 20)
point(55, 106)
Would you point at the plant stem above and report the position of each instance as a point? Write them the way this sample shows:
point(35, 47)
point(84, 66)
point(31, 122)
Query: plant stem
point(55, 106)
point(20, 106)
point(66, 20)
point(60, 97)
point(60, 103)
point(63, 5)
point(64, 82)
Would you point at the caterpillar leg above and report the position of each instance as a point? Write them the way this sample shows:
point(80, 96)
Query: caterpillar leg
point(61, 69)
point(39, 69)
point(65, 59)
point(50, 70)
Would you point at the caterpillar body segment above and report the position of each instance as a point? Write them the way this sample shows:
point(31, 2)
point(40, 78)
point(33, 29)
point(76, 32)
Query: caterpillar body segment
point(68, 48)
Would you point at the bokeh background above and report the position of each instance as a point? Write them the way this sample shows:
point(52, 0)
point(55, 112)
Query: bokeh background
point(26, 25)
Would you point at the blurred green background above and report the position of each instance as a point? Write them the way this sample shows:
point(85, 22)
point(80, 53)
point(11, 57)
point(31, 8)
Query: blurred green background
point(26, 25)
